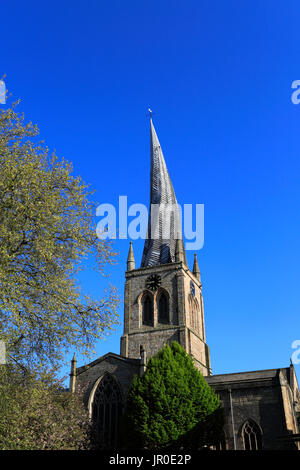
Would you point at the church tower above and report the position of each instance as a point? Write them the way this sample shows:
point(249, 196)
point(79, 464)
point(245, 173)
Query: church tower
point(163, 298)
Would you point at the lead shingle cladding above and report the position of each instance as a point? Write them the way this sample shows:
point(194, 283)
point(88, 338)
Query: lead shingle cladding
point(159, 250)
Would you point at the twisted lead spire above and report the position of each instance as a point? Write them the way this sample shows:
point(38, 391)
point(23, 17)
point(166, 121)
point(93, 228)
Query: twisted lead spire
point(164, 225)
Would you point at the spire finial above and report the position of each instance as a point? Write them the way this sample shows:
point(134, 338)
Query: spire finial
point(150, 113)
point(179, 255)
point(196, 270)
point(73, 375)
point(130, 259)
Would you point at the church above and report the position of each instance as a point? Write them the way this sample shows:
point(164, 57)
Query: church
point(163, 303)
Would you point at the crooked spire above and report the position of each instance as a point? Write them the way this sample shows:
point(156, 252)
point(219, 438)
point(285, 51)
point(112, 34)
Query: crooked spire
point(164, 226)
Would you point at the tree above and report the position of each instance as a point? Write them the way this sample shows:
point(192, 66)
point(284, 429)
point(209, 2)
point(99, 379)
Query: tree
point(38, 414)
point(46, 231)
point(172, 405)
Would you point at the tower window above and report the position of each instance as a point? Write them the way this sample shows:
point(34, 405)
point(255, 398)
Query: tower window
point(194, 313)
point(163, 309)
point(252, 436)
point(147, 311)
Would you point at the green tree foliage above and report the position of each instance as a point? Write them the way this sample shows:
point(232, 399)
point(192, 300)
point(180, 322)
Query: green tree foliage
point(38, 414)
point(172, 404)
point(46, 229)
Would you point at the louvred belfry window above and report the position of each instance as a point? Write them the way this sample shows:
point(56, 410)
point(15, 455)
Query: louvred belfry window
point(163, 309)
point(147, 310)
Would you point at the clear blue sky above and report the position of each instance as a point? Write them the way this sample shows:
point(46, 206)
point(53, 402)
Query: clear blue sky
point(218, 77)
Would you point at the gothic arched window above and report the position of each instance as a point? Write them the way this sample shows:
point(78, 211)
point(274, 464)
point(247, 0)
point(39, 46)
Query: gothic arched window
point(194, 313)
point(107, 411)
point(252, 436)
point(163, 308)
point(147, 304)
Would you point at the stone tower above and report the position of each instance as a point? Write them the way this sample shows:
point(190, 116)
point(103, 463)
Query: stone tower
point(163, 298)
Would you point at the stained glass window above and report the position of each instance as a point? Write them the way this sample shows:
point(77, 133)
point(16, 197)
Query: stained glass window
point(107, 411)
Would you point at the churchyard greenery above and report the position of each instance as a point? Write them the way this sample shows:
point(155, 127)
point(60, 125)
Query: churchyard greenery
point(172, 405)
point(47, 230)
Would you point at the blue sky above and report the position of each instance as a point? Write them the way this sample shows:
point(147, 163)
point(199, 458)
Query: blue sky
point(218, 77)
